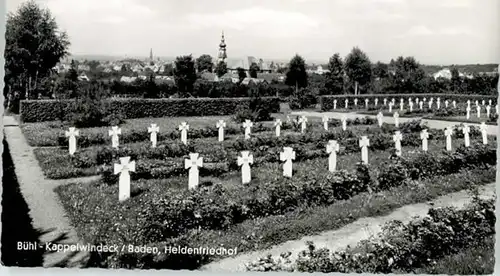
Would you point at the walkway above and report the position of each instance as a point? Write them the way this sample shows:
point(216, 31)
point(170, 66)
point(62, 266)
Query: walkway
point(350, 234)
point(437, 124)
point(46, 212)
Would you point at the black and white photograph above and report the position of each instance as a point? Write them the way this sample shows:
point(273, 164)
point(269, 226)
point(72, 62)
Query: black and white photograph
point(348, 136)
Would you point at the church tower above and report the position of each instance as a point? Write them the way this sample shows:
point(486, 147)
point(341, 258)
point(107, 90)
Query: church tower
point(222, 50)
point(151, 54)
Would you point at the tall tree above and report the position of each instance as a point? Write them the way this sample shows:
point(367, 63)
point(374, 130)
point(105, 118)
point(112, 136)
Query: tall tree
point(456, 82)
point(334, 82)
point(253, 70)
point(221, 69)
point(184, 74)
point(204, 63)
point(380, 70)
point(296, 75)
point(34, 45)
point(242, 74)
point(358, 68)
point(409, 76)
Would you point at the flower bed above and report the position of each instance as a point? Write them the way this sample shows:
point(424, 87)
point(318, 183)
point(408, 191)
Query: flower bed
point(399, 248)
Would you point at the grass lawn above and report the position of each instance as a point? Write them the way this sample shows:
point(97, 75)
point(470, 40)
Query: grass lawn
point(259, 233)
point(473, 119)
point(478, 259)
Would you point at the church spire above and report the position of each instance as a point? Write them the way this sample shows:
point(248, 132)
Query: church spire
point(151, 54)
point(222, 50)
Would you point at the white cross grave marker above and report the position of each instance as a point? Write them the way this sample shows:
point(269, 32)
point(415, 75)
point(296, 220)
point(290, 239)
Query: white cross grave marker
point(153, 129)
point(430, 104)
point(287, 156)
point(424, 135)
point(390, 107)
point(477, 102)
point(334, 104)
point(468, 112)
point(397, 140)
point(346, 103)
point(478, 110)
point(244, 161)
point(438, 103)
point(344, 122)
point(484, 132)
point(277, 124)
point(385, 101)
point(114, 132)
point(421, 104)
point(466, 131)
point(380, 119)
point(396, 119)
point(221, 125)
point(247, 125)
point(363, 144)
point(411, 106)
point(483, 102)
point(192, 164)
point(446, 103)
point(366, 103)
point(356, 102)
point(401, 105)
point(468, 103)
point(184, 127)
point(72, 133)
point(376, 102)
point(496, 108)
point(454, 104)
point(302, 122)
point(488, 111)
point(124, 168)
point(448, 132)
point(325, 122)
point(489, 102)
point(332, 148)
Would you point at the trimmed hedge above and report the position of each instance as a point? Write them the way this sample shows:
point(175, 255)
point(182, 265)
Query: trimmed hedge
point(326, 102)
point(52, 110)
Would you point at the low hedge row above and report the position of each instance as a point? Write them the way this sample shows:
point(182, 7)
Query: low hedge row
point(52, 110)
point(399, 248)
point(326, 102)
point(89, 139)
point(177, 211)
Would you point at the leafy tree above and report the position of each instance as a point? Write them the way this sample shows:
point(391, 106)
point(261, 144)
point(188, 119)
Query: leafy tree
point(184, 74)
point(409, 76)
point(169, 70)
point(381, 70)
point(358, 68)
point(334, 82)
point(152, 89)
point(204, 63)
point(253, 70)
point(221, 69)
point(296, 74)
point(34, 45)
point(242, 74)
point(456, 82)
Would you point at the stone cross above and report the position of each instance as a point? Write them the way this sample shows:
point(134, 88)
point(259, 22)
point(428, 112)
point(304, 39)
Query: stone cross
point(325, 122)
point(430, 104)
point(124, 168)
point(244, 161)
point(380, 119)
point(489, 102)
point(363, 144)
point(247, 125)
point(393, 101)
point(153, 129)
point(477, 102)
point(356, 102)
point(221, 125)
point(411, 106)
point(468, 112)
point(454, 104)
point(409, 99)
point(483, 102)
point(496, 108)
point(401, 105)
point(448, 132)
point(346, 103)
point(468, 103)
point(277, 124)
point(438, 103)
point(192, 164)
point(332, 148)
point(114, 132)
point(366, 103)
point(385, 101)
point(344, 122)
point(397, 137)
point(390, 107)
point(466, 131)
point(302, 122)
point(478, 110)
point(184, 127)
point(484, 132)
point(446, 103)
point(335, 104)
point(396, 119)
point(416, 100)
point(488, 111)
point(287, 156)
point(425, 99)
point(376, 102)
point(72, 133)
point(424, 135)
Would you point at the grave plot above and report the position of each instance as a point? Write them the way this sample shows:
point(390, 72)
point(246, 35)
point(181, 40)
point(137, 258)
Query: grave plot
point(229, 208)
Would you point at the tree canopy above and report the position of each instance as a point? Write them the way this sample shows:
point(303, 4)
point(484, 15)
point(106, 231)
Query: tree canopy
point(296, 74)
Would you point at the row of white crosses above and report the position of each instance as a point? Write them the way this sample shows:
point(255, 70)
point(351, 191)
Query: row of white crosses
point(287, 156)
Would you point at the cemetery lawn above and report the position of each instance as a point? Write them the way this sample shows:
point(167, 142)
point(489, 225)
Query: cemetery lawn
point(405, 114)
point(45, 134)
point(473, 119)
point(478, 259)
point(82, 202)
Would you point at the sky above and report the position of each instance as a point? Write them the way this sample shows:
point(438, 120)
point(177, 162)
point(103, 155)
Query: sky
point(433, 31)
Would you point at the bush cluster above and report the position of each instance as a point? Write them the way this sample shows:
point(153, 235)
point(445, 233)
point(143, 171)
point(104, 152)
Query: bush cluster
point(399, 248)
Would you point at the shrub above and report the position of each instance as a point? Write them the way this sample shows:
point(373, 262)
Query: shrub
point(304, 98)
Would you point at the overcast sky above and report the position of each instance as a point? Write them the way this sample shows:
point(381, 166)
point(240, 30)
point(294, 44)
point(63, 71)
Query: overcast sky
point(433, 31)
